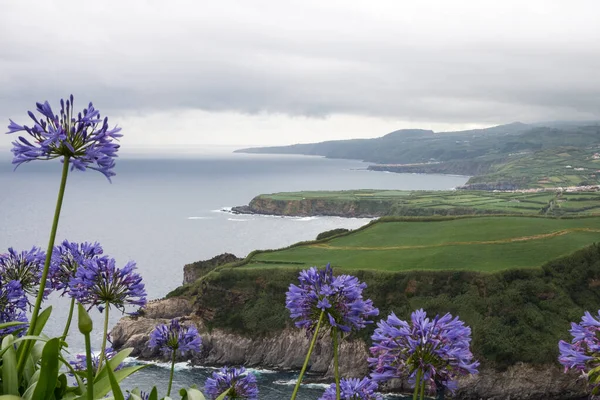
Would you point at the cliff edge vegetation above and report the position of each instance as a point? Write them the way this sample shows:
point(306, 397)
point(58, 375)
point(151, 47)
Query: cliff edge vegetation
point(379, 203)
point(518, 283)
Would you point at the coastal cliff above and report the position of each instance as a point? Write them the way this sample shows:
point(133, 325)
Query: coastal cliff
point(286, 350)
point(308, 207)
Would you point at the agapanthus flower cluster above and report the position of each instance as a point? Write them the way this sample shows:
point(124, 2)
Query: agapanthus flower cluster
point(582, 353)
point(66, 259)
point(13, 305)
point(174, 337)
point(353, 389)
point(98, 282)
point(83, 137)
point(80, 364)
point(239, 384)
point(439, 348)
point(25, 267)
point(340, 297)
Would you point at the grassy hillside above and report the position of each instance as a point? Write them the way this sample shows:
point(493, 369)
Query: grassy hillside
point(484, 244)
point(560, 167)
point(517, 315)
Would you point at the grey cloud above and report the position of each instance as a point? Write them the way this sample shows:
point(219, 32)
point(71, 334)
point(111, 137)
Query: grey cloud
point(471, 61)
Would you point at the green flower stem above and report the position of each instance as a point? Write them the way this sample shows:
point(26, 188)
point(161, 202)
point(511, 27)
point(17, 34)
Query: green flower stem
point(417, 385)
point(40, 296)
point(336, 364)
point(422, 390)
point(310, 349)
point(89, 366)
point(69, 319)
point(172, 371)
point(104, 336)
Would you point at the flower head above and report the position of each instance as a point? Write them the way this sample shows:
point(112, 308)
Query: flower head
point(353, 389)
point(582, 353)
point(66, 258)
point(438, 347)
point(232, 379)
point(340, 298)
point(84, 137)
point(174, 337)
point(13, 304)
point(25, 267)
point(80, 364)
point(98, 282)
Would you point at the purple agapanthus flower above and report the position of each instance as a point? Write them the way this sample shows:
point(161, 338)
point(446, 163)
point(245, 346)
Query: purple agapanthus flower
point(84, 137)
point(175, 337)
point(25, 267)
point(13, 304)
point(66, 258)
point(438, 347)
point(581, 353)
point(80, 364)
point(240, 386)
point(353, 389)
point(340, 297)
point(98, 282)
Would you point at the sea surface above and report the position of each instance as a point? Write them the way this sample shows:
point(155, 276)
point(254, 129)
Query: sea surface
point(166, 212)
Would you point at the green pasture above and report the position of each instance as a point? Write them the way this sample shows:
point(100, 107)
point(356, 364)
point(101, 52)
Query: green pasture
point(484, 244)
point(399, 202)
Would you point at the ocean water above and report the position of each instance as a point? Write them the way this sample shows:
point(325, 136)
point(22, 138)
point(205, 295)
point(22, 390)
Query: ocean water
point(166, 212)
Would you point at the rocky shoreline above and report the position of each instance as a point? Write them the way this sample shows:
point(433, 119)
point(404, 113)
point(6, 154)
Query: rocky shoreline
point(286, 349)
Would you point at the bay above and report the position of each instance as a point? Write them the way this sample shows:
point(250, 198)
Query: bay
point(165, 212)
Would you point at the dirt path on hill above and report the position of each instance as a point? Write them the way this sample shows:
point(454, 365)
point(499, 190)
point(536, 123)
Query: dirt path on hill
point(562, 232)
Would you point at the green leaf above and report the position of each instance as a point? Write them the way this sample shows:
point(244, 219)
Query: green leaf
point(9, 397)
point(39, 325)
point(11, 324)
point(28, 395)
point(61, 386)
point(48, 371)
point(223, 395)
point(10, 378)
point(102, 387)
point(153, 394)
point(35, 355)
point(41, 321)
point(23, 338)
point(191, 394)
point(114, 362)
point(116, 389)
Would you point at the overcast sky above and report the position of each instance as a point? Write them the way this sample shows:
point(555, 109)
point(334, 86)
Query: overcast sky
point(176, 73)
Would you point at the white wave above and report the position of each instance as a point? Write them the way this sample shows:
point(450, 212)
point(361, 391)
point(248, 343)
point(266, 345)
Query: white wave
point(199, 218)
point(305, 218)
point(180, 366)
point(259, 371)
point(237, 219)
point(223, 210)
point(292, 382)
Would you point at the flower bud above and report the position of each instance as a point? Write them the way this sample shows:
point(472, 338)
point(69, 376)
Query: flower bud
point(85, 322)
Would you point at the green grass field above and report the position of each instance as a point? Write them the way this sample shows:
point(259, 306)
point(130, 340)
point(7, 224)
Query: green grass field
point(485, 244)
point(454, 202)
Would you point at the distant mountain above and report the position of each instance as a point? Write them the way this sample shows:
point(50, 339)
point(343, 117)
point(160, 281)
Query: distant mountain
point(464, 152)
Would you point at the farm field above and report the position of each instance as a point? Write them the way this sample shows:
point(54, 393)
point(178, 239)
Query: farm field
point(455, 202)
point(485, 244)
